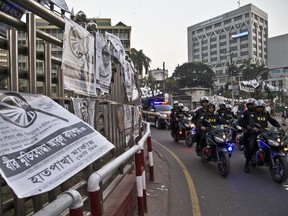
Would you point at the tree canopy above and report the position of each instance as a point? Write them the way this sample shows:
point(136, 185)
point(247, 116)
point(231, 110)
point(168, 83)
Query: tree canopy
point(140, 60)
point(194, 74)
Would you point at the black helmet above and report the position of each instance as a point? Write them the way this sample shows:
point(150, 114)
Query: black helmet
point(211, 104)
point(250, 101)
point(260, 103)
point(204, 98)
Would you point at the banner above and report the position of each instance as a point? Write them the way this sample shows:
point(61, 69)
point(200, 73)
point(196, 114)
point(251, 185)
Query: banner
point(127, 123)
point(103, 64)
point(60, 3)
point(43, 144)
point(84, 108)
point(119, 50)
point(78, 59)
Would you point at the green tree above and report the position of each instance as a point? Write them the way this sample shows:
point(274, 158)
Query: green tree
point(140, 61)
point(171, 86)
point(194, 74)
point(252, 71)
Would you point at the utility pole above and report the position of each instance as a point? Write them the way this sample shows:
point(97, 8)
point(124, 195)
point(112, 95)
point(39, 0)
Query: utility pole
point(230, 71)
point(164, 78)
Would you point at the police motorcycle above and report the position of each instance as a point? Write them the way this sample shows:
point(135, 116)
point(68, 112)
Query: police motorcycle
point(218, 147)
point(185, 131)
point(233, 123)
point(272, 151)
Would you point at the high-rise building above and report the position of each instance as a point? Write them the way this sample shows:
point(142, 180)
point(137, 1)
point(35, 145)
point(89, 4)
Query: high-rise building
point(230, 38)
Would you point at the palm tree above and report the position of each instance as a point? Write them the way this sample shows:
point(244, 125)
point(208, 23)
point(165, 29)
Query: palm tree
point(140, 61)
point(150, 82)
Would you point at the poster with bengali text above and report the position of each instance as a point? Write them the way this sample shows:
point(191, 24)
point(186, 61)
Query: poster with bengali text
point(42, 144)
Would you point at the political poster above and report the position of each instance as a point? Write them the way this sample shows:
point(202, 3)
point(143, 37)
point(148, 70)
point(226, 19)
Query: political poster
point(78, 59)
point(84, 108)
point(42, 144)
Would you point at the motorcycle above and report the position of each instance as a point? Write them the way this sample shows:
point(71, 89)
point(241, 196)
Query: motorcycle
point(185, 131)
point(272, 151)
point(218, 147)
point(239, 133)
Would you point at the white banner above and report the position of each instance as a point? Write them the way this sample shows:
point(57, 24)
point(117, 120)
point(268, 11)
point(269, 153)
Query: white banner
point(119, 50)
point(128, 122)
point(43, 144)
point(77, 59)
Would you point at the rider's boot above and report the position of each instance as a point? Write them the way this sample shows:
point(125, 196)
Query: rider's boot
point(246, 168)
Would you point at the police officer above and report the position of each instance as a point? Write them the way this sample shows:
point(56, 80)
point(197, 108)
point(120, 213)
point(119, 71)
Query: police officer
point(229, 117)
point(244, 120)
point(261, 117)
point(213, 119)
point(200, 112)
point(173, 115)
point(222, 109)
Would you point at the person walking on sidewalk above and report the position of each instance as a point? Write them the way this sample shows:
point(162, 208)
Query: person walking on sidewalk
point(284, 115)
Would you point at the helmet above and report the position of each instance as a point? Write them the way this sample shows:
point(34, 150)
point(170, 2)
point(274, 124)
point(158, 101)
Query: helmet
point(260, 103)
point(222, 104)
point(250, 101)
point(180, 105)
point(286, 107)
point(186, 109)
point(228, 106)
point(175, 103)
point(211, 104)
point(204, 98)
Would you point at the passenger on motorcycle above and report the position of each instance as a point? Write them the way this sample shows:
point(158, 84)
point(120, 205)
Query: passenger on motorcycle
point(213, 118)
point(178, 116)
point(222, 109)
point(244, 120)
point(261, 117)
point(196, 117)
point(229, 116)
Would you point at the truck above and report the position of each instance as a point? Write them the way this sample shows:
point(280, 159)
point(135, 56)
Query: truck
point(156, 111)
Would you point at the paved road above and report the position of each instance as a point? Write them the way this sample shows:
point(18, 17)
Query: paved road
point(239, 194)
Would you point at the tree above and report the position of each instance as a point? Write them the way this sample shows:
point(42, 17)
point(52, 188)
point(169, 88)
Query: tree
point(171, 86)
point(194, 74)
point(140, 60)
point(252, 71)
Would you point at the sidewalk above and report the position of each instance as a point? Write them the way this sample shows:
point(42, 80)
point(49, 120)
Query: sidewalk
point(157, 192)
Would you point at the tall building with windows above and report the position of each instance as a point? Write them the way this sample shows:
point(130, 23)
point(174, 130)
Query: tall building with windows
point(230, 38)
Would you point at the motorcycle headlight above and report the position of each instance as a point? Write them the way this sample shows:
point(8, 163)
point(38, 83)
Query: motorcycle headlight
point(219, 139)
point(273, 142)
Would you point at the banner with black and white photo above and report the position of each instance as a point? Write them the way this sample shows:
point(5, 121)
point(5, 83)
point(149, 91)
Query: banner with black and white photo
point(128, 122)
point(60, 3)
point(136, 121)
point(119, 50)
point(84, 108)
point(77, 59)
point(42, 144)
point(103, 61)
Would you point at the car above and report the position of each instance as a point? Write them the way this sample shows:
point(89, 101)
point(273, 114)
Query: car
point(158, 114)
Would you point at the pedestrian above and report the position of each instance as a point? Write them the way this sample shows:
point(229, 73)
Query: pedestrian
point(284, 115)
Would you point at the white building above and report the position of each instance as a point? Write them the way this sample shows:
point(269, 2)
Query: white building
point(232, 37)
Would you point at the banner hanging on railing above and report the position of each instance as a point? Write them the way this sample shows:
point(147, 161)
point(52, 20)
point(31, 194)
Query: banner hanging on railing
point(42, 144)
point(78, 59)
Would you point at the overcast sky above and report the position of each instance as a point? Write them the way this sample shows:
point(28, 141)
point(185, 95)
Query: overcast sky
point(159, 27)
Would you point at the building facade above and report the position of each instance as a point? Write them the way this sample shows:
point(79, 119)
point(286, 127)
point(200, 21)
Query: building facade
point(230, 38)
point(278, 61)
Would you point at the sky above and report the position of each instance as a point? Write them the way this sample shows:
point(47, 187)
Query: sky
point(159, 27)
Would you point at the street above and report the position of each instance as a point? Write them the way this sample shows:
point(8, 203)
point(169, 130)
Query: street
point(238, 194)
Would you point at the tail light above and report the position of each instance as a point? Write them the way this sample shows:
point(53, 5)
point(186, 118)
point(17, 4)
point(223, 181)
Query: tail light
point(260, 154)
point(206, 151)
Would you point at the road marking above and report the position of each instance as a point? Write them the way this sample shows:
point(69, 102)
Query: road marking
point(194, 197)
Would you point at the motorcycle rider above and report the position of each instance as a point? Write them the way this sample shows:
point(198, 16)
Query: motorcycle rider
point(243, 120)
point(222, 109)
point(196, 117)
point(172, 115)
point(228, 117)
point(178, 116)
point(213, 119)
point(261, 117)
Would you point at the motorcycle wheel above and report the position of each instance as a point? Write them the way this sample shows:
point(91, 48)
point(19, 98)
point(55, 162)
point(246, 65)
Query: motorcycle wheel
point(279, 173)
point(189, 141)
point(224, 164)
point(174, 136)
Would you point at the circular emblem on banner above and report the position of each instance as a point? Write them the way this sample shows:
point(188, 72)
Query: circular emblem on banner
point(76, 41)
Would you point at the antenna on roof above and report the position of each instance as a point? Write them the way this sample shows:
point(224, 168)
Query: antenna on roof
point(238, 3)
